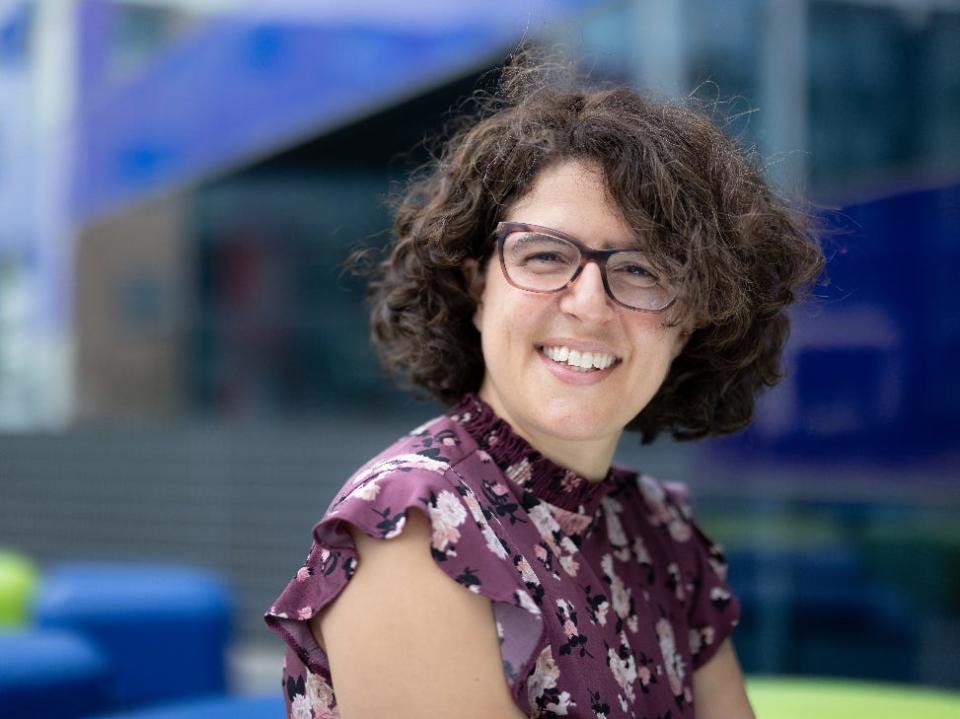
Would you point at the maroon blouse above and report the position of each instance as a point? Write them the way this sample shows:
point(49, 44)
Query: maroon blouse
point(607, 595)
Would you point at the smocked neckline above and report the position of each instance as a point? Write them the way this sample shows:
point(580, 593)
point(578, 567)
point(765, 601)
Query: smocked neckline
point(524, 466)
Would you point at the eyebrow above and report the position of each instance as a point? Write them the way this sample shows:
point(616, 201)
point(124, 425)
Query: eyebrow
point(635, 244)
point(528, 238)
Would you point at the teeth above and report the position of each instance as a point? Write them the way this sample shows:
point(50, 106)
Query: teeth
point(583, 361)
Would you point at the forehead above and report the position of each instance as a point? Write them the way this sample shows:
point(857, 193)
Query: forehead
point(572, 197)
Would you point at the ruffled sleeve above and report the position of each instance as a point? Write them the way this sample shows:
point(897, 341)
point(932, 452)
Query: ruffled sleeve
point(465, 544)
point(713, 609)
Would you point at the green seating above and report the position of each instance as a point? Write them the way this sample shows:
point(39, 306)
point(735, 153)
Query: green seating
point(18, 580)
point(778, 697)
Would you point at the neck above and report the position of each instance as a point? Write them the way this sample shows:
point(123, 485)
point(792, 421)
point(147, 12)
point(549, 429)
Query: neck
point(589, 458)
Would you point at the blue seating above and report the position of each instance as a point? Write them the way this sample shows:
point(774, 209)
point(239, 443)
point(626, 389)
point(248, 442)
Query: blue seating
point(262, 707)
point(163, 629)
point(48, 674)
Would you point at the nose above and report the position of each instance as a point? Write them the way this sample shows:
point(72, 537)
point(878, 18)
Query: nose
point(587, 298)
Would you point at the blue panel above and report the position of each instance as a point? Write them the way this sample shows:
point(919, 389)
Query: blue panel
point(235, 88)
point(873, 372)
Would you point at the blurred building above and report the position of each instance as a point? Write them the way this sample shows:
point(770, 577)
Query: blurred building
point(181, 182)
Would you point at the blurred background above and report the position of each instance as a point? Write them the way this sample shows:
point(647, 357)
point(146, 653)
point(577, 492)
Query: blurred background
point(185, 375)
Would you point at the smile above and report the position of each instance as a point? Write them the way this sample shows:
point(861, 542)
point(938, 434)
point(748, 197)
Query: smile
point(577, 360)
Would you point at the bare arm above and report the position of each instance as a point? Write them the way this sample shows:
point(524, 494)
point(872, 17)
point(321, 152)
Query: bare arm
point(718, 691)
point(406, 641)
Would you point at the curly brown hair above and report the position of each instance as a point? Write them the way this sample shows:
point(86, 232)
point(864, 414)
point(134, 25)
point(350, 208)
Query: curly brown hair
point(739, 253)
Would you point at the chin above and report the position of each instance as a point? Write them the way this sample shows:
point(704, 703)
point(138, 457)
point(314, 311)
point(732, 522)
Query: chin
point(574, 420)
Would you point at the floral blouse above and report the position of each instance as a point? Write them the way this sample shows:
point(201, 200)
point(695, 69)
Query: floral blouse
point(607, 596)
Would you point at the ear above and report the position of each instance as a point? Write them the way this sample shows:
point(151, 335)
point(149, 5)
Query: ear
point(476, 281)
point(681, 341)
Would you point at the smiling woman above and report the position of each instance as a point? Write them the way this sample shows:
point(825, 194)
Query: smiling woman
point(575, 263)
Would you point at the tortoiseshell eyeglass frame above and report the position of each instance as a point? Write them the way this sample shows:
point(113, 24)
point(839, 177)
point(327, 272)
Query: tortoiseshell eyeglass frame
point(587, 254)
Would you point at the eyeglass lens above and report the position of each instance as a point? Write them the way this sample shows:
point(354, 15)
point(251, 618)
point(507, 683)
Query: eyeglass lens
point(542, 263)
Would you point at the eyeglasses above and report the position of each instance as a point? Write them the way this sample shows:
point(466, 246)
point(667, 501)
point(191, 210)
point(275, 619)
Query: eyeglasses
point(538, 259)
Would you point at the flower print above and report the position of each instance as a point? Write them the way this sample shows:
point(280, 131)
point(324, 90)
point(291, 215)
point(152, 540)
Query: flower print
point(364, 483)
point(569, 481)
point(612, 510)
point(662, 511)
point(675, 581)
point(717, 560)
point(671, 657)
point(369, 491)
point(446, 514)
point(719, 598)
point(545, 675)
point(493, 541)
point(707, 633)
point(304, 573)
point(469, 579)
point(500, 489)
point(561, 705)
point(619, 593)
point(524, 601)
point(476, 511)
point(623, 667)
point(679, 530)
point(391, 523)
point(644, 675)
point(501, 501)
point(304, 613)
point(554, 538)
point(526, 571)
point(601, 613)
point(484, 457)
point(529, 577)
point(598, 604)
point(571, 523)
point(469, 499)
point(300, 707)
point(541, 552)
point(700, 639)
point(567, 616)
point(542, 692)
point(640, 552)
point(401, 462)
point(322, 700)
point(520, 472)
point(644, 560)
point(570, 565)
point(601, 709)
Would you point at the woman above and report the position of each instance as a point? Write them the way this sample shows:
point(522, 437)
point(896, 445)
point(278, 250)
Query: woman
point(574, 264)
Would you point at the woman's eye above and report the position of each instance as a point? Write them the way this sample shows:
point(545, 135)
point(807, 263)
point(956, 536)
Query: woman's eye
point(637, 271)
point(545, 257)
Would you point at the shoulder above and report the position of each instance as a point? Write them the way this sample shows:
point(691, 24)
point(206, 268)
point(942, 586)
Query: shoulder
point(412, 471)
point(432, 646)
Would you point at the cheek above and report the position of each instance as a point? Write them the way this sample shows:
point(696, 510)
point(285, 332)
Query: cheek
point(658, 345)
